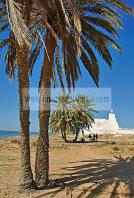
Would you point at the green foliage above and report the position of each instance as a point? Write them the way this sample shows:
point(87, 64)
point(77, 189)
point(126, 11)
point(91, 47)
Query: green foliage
point(83, 112)
point(62, 115)
point(71, 114)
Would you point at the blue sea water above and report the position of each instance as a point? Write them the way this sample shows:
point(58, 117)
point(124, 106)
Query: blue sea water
point(4, 134)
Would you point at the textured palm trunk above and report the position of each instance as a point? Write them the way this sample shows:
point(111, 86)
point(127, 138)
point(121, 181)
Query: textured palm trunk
point(83, 136)
point(64, 137)
point(64, 125)
point(42, 152)
point(62, 134)
point(76, 135)
point(26, 181)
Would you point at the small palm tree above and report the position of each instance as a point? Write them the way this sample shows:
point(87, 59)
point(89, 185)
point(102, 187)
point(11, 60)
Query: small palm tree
point(61, 117)
point(71, 114)
point(83, 114)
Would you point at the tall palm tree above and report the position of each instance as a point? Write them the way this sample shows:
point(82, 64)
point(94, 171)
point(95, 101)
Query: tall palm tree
point(11, 62)
point(42, 155)
point(23, 79)
point(61, 19)
point(17, 56)
point(78, 24)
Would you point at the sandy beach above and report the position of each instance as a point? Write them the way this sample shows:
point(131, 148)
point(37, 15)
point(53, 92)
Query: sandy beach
point(94, 170)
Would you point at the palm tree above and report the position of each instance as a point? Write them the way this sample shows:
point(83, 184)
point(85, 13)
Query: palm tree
point(71, 115)
point(18, 56)
point(60, 120)
point(11, 61)
point(23, 79)
point(83, 114)
point(42, 156)
point(79, 27)
point(61, 19)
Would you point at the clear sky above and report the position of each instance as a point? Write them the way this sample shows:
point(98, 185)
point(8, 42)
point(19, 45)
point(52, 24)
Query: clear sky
point(120, 79)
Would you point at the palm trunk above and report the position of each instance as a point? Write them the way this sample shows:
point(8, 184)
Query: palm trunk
point(42, 152)
point(64, 125)
point(64, 137)
point(76, 135)
point(83, 136)
point(62, 134)
point(26, 181)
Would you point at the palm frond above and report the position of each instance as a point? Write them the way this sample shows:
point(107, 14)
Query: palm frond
point(18, 23)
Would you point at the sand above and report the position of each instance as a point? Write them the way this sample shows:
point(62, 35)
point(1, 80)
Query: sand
point(90, 170)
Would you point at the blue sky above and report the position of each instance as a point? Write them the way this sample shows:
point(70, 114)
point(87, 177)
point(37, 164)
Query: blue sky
point(120, 79)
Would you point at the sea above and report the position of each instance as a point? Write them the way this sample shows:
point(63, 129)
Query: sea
point(4, 134)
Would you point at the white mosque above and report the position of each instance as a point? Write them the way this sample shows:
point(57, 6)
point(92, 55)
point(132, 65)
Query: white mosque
point(110, 125)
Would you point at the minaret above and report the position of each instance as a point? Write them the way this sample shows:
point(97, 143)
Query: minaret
point(113, 121)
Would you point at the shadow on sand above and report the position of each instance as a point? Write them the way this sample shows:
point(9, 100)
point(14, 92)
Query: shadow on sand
point(94, 177)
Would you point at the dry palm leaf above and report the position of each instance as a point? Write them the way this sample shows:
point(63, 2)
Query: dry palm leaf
point(77, 24)
point(65, 14)
point(43, 42)
point(17, 22)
